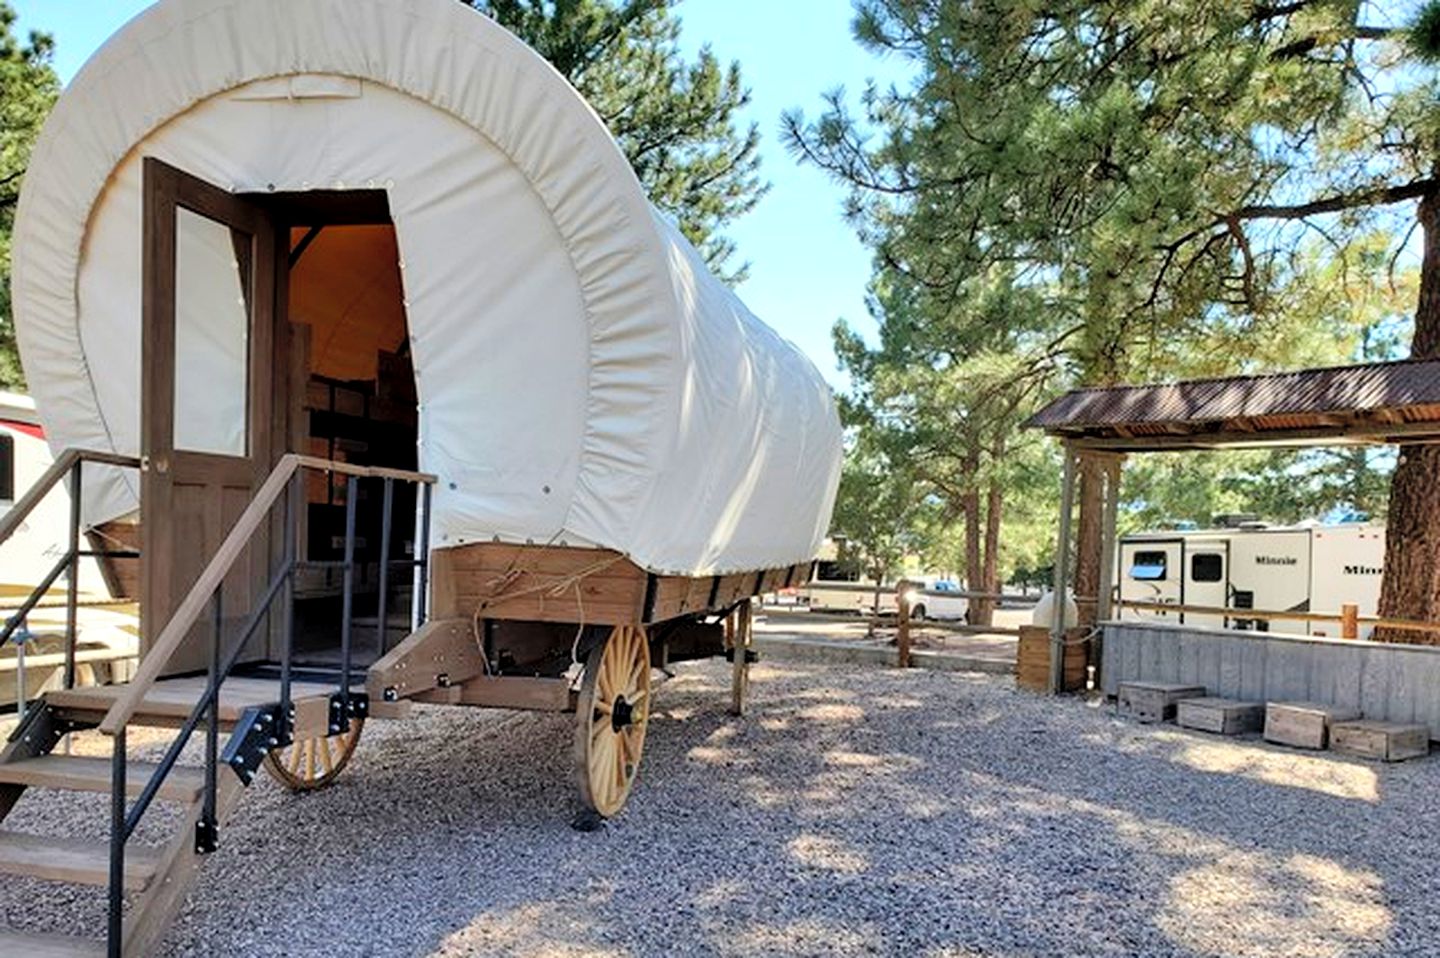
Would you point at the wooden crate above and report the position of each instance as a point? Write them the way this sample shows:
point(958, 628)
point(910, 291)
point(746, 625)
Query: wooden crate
point(1032, 659)
point(1386, 741)
point(1155, 701)
point(1222, 716)
point(1304, 724)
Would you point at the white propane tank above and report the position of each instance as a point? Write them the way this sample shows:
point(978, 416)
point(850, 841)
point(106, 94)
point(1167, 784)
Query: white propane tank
point(1044, 614)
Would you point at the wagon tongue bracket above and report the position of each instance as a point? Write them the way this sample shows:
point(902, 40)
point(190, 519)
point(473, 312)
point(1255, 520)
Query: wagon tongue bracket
point(261, 730)
point(344, 707)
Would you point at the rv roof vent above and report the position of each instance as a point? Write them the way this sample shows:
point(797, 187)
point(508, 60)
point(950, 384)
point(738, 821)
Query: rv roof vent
point(1234, 520)
point(1253, 524)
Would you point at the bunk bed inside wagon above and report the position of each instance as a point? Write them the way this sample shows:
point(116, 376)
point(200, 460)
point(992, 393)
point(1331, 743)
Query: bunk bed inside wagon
point(408, 395)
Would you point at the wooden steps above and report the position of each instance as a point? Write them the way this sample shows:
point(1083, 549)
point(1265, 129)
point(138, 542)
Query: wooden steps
point(80, 860)
point(157, 877)
point(172, 700)
point(84, 774)
point(29, 945)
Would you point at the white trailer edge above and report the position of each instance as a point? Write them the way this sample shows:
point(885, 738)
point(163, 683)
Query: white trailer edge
point(1275, 568)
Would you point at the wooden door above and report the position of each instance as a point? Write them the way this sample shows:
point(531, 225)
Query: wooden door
point(209, 382)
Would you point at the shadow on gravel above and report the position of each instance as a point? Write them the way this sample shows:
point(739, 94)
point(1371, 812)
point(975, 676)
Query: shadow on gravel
point(850, 813)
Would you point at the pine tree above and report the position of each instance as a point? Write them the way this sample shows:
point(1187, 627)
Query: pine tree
point(28, 87)
point(1153, 171)
point(677, 121)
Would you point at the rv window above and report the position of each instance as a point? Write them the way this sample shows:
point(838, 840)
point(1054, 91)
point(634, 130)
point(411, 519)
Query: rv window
point(1149, 566)
point(1206, 567)
point(830, 571)
point(7, 467)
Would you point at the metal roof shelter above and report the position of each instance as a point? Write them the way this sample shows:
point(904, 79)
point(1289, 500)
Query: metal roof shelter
point(1373, 403)
point(1370, 403)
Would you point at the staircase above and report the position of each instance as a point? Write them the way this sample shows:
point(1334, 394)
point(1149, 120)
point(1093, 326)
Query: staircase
point(155, 877)
point(147, 883)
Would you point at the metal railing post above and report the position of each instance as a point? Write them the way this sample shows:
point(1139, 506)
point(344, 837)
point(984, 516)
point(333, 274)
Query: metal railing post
point(422, 550)
point(383, 611)
point(212, 729)
point(72, 589)
point(293, 505)
point(347, 603)
point(21, 698)
point(116, 919)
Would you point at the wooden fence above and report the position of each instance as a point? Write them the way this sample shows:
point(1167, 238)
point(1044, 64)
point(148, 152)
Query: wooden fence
point(1399, 683)
point(1349, 616)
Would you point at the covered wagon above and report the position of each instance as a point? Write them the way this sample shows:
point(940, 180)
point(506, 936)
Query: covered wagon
point(353, 317)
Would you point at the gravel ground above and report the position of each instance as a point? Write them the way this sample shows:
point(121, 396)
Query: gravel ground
point(872, 812)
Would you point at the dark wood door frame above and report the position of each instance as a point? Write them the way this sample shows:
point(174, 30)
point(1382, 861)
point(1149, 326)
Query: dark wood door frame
point(277, 382)
point(186, 495)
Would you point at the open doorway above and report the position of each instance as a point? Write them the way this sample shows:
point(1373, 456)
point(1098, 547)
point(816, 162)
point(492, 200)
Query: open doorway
point(350, 347)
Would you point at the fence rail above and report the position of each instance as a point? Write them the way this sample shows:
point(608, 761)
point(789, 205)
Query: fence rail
point(1347, 616)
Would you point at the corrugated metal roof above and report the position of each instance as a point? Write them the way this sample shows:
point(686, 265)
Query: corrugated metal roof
point(1312, 391)
point(1291, 400)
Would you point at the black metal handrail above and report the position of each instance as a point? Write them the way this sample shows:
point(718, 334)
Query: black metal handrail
point(223, 659)
point(70, 464)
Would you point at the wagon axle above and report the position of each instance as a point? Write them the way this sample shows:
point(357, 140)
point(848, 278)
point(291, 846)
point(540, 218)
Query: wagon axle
point(622, 714)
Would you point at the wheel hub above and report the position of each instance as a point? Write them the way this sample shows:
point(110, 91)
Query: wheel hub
point(622, 714)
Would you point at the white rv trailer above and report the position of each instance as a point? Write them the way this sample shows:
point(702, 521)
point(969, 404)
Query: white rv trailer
point(1306, 568)
point(41, 539)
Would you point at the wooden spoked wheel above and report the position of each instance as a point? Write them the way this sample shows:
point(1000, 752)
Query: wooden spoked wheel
point(611, 716)
point(313, 763)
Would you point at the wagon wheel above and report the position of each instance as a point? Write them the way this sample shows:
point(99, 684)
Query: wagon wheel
point(610, 721)
point(313, 763)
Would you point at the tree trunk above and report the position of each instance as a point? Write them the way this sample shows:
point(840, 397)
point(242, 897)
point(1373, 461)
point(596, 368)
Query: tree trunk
point(1410, 588)
point(878, 575)
point(994, 503)
point(970, 502)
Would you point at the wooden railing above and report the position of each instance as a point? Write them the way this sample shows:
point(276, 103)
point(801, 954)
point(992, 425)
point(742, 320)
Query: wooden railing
point(1348, 616)
point(207, 592)
point(198, 598)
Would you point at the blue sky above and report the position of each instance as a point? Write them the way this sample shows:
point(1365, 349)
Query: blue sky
point(807, 267)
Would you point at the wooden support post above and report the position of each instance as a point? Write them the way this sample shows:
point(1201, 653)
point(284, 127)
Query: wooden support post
point(1349, 621)
point(902, 628)
point(742, 638)
point(1104, 608)
point(1108, 521)
point(1062, 574)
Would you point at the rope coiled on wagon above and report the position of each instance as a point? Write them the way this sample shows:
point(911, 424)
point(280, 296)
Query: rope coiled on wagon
point(499, 593)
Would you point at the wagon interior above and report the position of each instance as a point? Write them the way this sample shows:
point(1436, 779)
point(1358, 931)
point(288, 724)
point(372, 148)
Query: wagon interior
point(346, 303)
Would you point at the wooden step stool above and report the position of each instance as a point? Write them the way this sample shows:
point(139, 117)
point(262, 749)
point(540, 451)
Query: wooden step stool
point(1304, 724)
point(1386, 741)
point(1154, 701)
point(1222, 716)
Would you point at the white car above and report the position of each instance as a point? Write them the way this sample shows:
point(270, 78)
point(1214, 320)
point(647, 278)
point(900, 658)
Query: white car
point(941, 599)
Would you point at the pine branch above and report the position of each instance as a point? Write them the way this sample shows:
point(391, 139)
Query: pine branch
point(1380, 196)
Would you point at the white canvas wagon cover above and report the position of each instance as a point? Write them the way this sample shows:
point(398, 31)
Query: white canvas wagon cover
point(582, 377)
